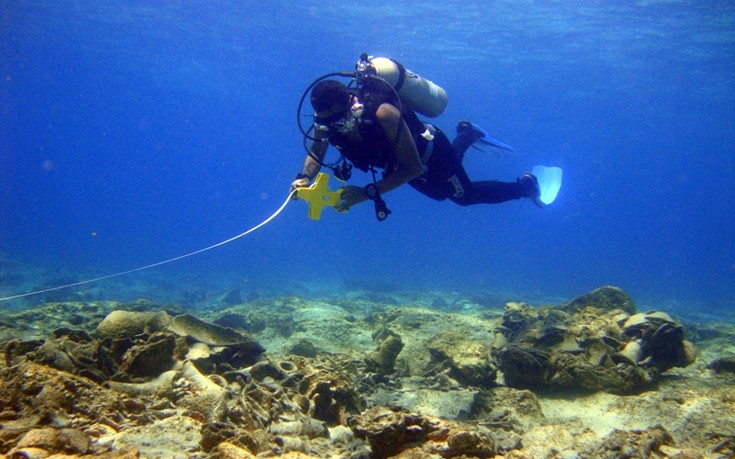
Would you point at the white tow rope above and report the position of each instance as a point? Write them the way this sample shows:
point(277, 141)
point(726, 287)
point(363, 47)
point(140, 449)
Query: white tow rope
point(153, 265)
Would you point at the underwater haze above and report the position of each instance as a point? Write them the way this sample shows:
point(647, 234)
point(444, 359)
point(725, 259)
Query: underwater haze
point(134, 132)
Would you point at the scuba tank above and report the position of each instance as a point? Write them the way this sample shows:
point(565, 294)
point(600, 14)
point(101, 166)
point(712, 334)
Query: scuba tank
point(424, 96)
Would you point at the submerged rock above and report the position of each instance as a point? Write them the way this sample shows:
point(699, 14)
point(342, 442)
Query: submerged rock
point(151, 358)
point(329, 396)
point(607, 298)
point(120, 324)
point(304, 348)
point(232, 296)
point(592, 342)
point(384, 357)
point(468, 363)
point(205, 332)
point(201, 395)
point(390, 431)
point(48, 440)
point(161, 387)
point(15, 350)
point(524, 366)
point(723, 365)
point(636, 443)
point(166, 438)
point(227, 450)
point(467, 443)
point(395, 432)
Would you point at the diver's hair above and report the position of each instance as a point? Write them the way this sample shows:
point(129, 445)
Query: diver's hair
point(328, 94)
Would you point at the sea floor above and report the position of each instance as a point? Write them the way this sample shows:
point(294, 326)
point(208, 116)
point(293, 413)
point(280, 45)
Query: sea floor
point(232, 372)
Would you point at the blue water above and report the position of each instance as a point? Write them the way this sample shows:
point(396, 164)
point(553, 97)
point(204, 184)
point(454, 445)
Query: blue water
point(137, 131)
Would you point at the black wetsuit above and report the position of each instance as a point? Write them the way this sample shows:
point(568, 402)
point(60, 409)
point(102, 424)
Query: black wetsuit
point(444, 177)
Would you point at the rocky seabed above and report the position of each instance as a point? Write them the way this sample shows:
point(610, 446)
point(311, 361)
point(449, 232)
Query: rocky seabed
point(354, 378)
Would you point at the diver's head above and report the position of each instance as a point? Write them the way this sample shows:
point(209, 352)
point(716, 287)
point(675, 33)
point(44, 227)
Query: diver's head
point(335, 107)
point(330, 96)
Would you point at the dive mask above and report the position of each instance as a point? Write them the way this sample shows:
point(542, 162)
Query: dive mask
point(342, 122)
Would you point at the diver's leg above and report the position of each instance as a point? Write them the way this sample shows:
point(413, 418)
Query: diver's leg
point(466, 136)
point(446, 178)
point(494, 192)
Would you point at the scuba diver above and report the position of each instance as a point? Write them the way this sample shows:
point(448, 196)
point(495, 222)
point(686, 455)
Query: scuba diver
point(375, 126)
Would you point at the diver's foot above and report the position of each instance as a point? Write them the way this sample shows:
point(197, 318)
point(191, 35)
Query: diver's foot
point(530, 188)
point(476, 134)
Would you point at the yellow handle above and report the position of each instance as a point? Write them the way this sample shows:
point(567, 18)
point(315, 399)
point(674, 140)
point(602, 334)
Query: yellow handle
point(318, 196)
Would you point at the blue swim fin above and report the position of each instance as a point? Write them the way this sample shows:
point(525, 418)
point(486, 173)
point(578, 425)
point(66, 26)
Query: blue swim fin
point(487, 140)
point(465, 127)
point(549, 182)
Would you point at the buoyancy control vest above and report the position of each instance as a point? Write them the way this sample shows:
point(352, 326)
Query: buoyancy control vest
point(409, 92)
point(374, 148)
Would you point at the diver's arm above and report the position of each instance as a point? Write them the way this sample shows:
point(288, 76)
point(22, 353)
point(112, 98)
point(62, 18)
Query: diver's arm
point(408, 163)
point(318, 151)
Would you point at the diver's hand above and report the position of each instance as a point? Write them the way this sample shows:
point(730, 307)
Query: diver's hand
point(350, 196)
point(298, 183)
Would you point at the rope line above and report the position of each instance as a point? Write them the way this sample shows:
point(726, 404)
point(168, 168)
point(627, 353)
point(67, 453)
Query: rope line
point(153, 265)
